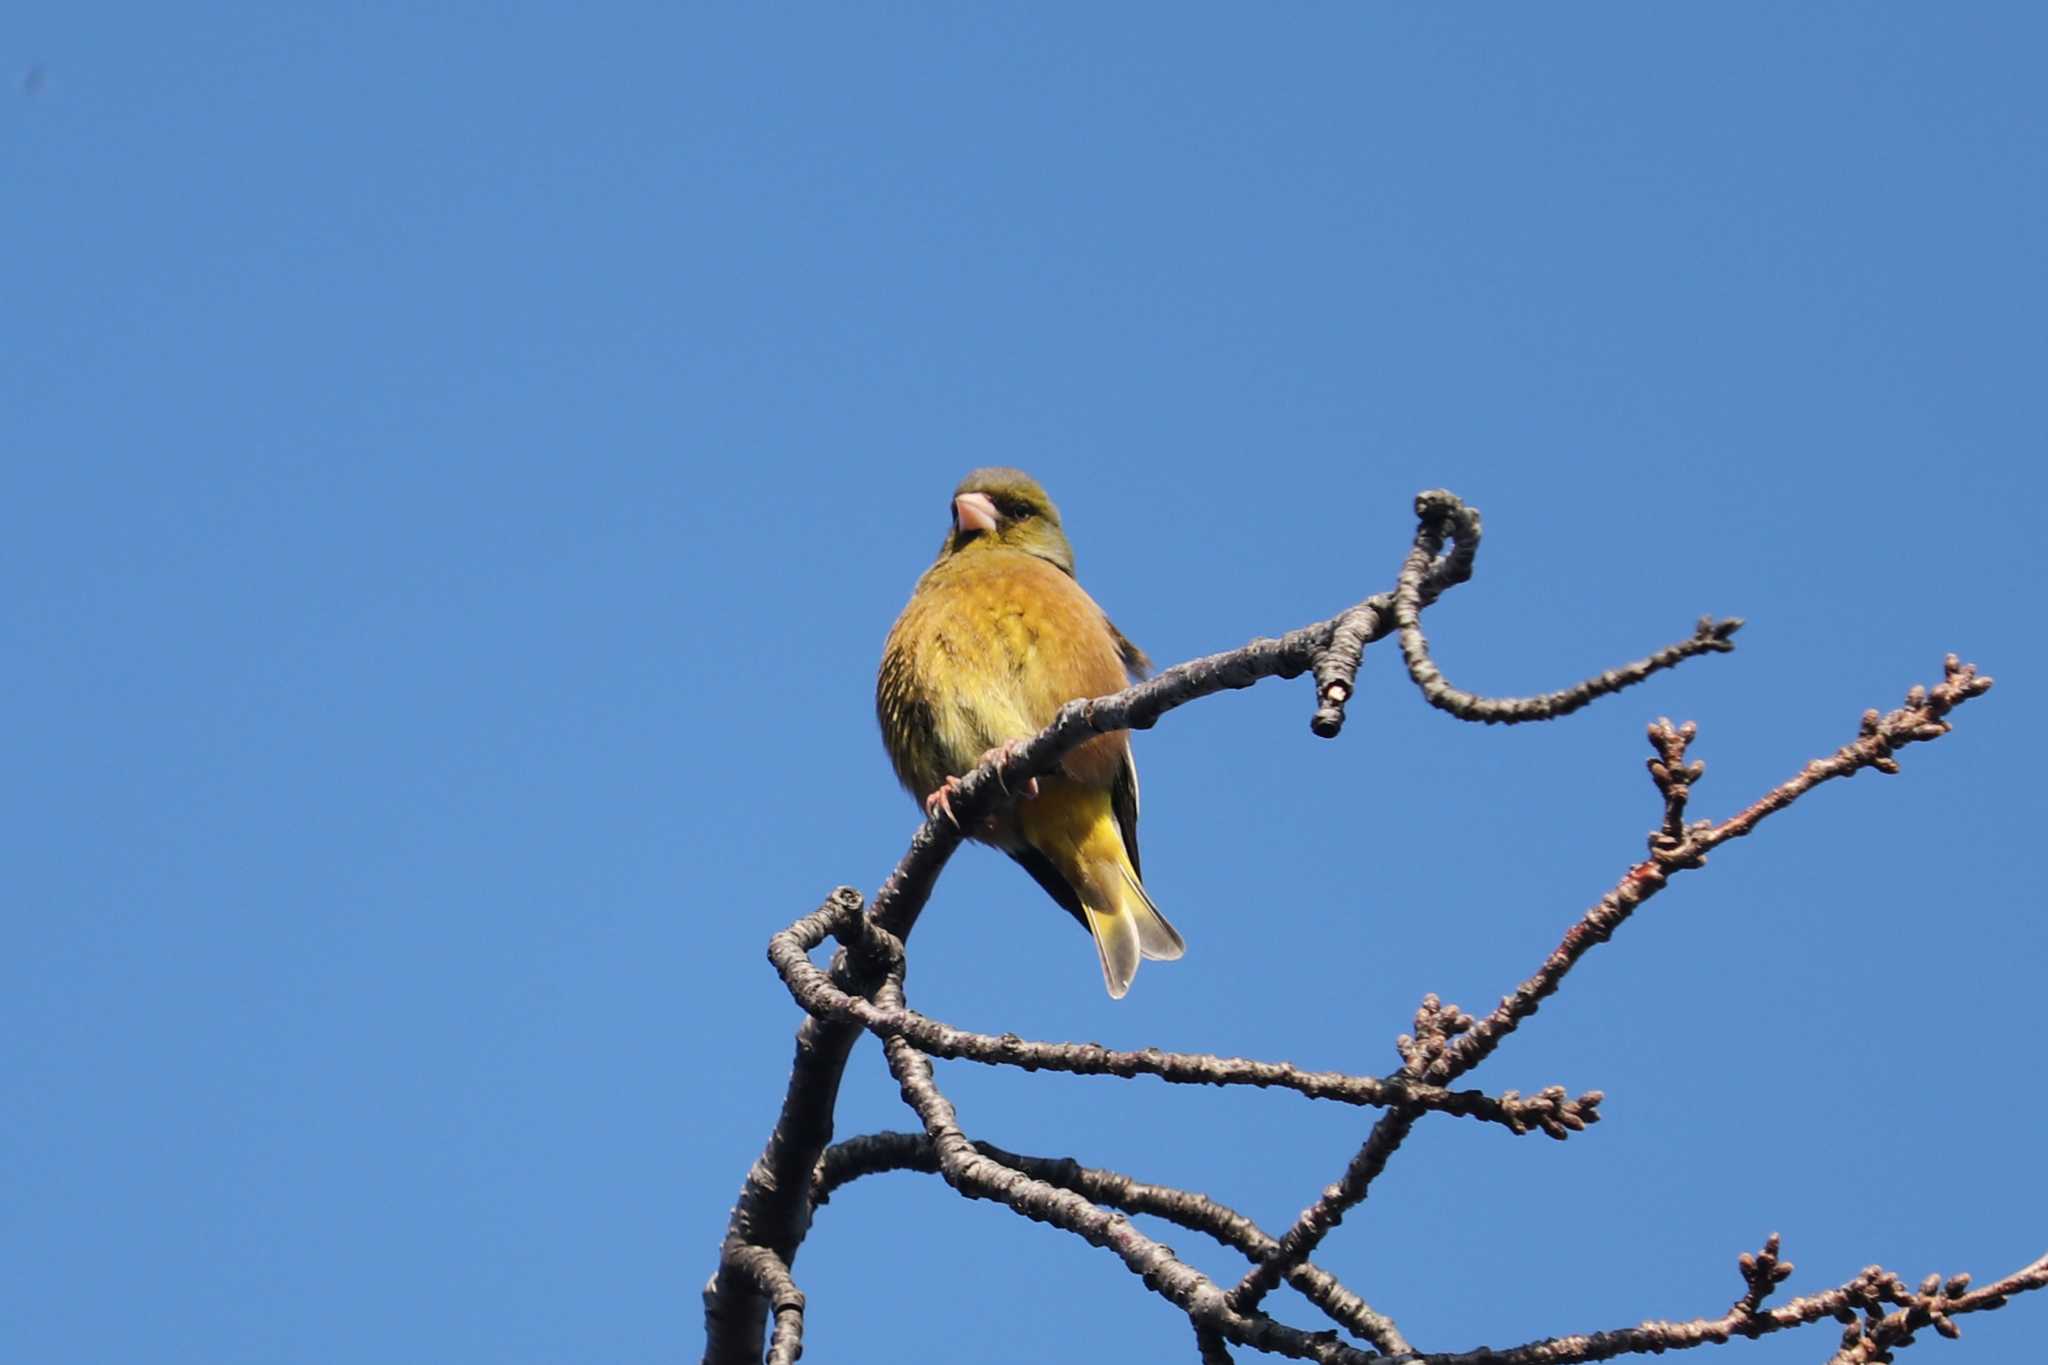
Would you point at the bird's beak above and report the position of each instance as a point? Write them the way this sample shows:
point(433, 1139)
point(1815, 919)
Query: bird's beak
point(974, 512)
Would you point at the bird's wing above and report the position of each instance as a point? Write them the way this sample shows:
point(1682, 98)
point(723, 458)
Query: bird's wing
point(1123, 799)
point(1135, 661)
point(1046, 875)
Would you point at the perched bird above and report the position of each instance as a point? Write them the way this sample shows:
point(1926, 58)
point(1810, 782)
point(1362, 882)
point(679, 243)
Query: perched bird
point(996, 638)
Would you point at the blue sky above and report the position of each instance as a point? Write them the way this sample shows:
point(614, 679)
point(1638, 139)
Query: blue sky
point(462, 461)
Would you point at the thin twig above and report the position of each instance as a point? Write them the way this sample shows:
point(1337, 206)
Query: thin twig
point(1869, 1338)
point(1922, 718)
point(1549, 1110)
point(772, 1210)
point(1453, 1044)
point(872, 1153)
point(980, 1177)
point(1410, 597)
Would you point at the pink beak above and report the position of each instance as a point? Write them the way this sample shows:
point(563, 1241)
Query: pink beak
point(974, 512)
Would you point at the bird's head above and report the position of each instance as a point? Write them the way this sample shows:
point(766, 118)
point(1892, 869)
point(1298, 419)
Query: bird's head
point(1005, 508)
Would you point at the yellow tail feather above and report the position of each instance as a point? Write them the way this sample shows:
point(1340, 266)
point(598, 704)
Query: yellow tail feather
point(1157, 939)
point(1134, 929)
point(1075, 828)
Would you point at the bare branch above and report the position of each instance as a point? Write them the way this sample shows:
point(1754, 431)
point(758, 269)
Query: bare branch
point(771, 1209)
point(979, 1177)
point(1442, 515)
point(1923, 718)
point(1300, 1241)
point(1209, 1343)
point(861, 991)
point(873, 1153)
point(1762, 1273)
point(1549, 1110)
point(1450, 1043)
point(771, 1278)
point(1869, 1338)
point(1336, 668)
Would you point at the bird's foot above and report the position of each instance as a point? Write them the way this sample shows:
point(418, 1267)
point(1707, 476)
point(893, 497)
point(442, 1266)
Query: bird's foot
point(1003, 753)
point(940, 802)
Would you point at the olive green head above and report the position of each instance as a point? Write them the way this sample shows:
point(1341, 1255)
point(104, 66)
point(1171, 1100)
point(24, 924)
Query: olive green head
point(1006, 509)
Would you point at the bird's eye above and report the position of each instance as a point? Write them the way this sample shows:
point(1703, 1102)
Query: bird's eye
point(1013, 509)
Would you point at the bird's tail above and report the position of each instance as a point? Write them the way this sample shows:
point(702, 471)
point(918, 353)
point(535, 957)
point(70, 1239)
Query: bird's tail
point(1126, 924)
point(1076, 831)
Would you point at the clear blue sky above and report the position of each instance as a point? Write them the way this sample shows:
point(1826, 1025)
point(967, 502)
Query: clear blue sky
point(461, 462)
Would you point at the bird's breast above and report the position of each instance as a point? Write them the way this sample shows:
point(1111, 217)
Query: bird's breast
point(988, 652)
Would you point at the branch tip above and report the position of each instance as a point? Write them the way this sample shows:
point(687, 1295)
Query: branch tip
point(862, 991)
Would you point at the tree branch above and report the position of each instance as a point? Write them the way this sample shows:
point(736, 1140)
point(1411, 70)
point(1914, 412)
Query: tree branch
point(1549, 1110)
point(772, 1280)
point(1866, 1339)
point(1450, 1043)
point(773, 1209)
point(980, 1177)
point(1411, 595)
point(873, 1153)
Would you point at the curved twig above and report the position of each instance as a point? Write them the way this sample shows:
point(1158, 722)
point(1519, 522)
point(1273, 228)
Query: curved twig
point(1411, 595)
point(1866, 1339)
point(980, 1177)
point(873, 1153)
point(1452, 1043)
point(771, 1278)
point(772, 1210)
point(1549, 1111)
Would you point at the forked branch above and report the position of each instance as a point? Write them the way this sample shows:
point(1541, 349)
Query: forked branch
point(861, 992)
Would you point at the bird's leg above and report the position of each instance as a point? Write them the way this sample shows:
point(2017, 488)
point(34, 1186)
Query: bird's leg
point(1003, 753)
point(940, 802)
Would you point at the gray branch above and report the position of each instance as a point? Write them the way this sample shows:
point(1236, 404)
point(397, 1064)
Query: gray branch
point(1881, 1314)
point(1449, 1042)
point(874, 1153)
point(861, 991)
point(1549, 1110)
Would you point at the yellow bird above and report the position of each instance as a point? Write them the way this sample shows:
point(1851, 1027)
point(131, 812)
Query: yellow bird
point(996, 638)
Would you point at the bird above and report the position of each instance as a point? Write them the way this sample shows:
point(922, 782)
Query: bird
point(997, 636)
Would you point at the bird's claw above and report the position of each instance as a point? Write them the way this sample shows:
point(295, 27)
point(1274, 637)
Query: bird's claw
point(940, 802)
point(1002, 754)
